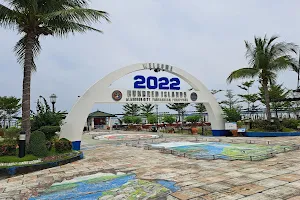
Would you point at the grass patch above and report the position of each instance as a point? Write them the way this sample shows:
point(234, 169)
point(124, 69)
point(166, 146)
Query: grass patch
point(62, 187)
point(11, 159)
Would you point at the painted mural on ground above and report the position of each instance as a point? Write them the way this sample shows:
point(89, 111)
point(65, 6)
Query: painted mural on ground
point(218, 150)
point(126, 137)
point(108, 186)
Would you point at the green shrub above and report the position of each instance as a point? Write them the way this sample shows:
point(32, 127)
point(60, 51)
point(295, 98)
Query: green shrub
point(49, 131)
point(284, 129)
point(265, 125)
point(8, 147)
point(47, 118)
point(208, 132)
point(63, 145)
point(255, 130)
point(232, 114)
point(37, 144)
point(12, 133)
point(290, 123)
point(169, 119)
point(1, 132)
point(152, 119)
point(193, 118)
point(136, 120)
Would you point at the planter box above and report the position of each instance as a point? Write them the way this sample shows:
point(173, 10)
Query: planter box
point(271, 134)
point(13, 170)
point(221, 133)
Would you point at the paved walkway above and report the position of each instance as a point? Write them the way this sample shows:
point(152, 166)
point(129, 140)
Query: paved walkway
point(276, 178)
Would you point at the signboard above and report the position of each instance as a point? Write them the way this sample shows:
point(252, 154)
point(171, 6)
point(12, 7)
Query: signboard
point(155, 89)
point(242, 130)
point(159, 96)
point(230, 126)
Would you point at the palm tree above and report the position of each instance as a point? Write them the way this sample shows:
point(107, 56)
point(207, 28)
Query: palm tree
point(131, 109)
point(147, 109)
point(36, 18)
point(265, 58)
point(179, 107)
point(296, 68)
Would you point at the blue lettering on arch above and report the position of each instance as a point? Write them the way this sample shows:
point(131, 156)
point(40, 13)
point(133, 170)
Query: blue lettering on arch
point(152, 83)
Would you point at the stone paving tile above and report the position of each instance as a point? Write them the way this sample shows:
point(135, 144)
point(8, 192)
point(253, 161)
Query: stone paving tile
point(200, 177)
point(187, 183)
point(234, 174)
point(248, 189)
point(294, 198)
point(222, 196)
point(295, 184)
point(297, 171)
point(16, 187)
point(240, 181)
point(189, 194)
point(259, 197)
point(278, 171)
point(282, 192)
point(213, 179)
point(251, 170)
point(270, 183)
point(260, 176)
point(216, 187)
point(288, 177)
point(194, 185)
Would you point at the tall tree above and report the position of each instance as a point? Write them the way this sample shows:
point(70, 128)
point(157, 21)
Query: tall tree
point(277, 96)
point(231, 100)
point(147, 109)
point(246, 86)
point(131, 109)
point(265, 58)
point(200, 108)
point(10, 107)
point(44, 115)
point(36, 18)
point(215, 91)
point(179, 107)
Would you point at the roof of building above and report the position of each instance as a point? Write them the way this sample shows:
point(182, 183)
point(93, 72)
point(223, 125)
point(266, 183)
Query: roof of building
point(101, 114)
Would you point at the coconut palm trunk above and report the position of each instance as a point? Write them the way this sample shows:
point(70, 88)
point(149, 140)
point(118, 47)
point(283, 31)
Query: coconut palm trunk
point(28, 61)
point(267, 98)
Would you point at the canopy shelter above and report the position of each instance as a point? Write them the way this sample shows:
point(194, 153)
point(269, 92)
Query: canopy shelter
point(99, 120)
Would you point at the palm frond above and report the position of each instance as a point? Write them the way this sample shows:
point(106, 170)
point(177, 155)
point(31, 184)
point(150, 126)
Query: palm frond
point(272, 77)
point(243, 73)
point(63, 28)
point(271, 40)
point(8, 17)
point(20, 49)
point(78, 15)
point(283, 63)
point(250, 53)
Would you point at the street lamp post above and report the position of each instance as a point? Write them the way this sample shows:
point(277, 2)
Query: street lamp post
point(156, 106)
point(53, 98)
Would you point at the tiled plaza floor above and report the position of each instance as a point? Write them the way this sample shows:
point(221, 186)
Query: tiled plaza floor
point(275, 178)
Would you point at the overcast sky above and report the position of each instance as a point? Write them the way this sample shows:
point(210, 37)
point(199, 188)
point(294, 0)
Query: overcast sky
point(205, 38)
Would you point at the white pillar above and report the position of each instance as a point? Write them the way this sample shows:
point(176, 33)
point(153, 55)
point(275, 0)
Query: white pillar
point(109, 124)
point(93, 124)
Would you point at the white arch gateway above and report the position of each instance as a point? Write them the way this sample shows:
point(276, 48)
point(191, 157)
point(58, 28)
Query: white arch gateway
point(146, 90)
